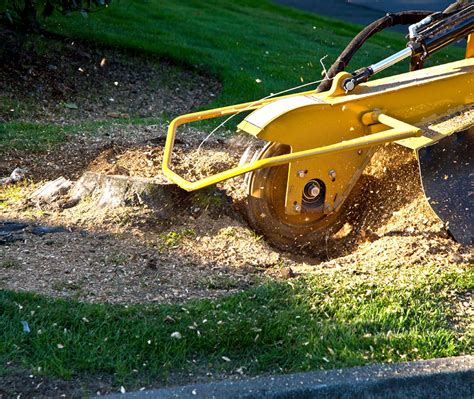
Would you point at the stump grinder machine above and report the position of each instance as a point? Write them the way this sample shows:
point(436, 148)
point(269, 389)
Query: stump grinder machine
point(318, 142)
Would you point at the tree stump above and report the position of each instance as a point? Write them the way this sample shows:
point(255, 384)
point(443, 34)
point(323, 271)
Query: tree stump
point(112, 191)
point(51, 191)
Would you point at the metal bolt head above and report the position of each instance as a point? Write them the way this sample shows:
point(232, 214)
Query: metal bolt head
point(349, 85)
point(301, 173)
point(297, 207)
point(314, 191)
point(332, 174)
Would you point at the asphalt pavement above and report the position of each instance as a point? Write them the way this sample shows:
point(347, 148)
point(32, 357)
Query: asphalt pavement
point(448, 378)
point(363, 11)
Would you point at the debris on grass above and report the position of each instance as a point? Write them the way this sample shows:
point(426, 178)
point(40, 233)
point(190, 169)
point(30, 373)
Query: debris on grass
point(26, 327)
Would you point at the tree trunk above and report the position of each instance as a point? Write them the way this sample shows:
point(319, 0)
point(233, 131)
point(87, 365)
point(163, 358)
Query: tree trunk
point(29, 16)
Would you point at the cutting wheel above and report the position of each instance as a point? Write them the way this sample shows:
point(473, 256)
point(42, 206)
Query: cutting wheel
point(266, 209)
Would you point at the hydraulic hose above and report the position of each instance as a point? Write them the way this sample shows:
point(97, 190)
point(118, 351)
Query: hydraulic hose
point(389, 20)
point(426, 37)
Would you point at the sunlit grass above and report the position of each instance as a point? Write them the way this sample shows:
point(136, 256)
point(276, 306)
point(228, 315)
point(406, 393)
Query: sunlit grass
point(253, 46)
point(35, 137)
point(347, 318)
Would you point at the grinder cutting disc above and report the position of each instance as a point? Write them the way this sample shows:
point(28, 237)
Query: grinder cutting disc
point(448, 181)
point(266, 212)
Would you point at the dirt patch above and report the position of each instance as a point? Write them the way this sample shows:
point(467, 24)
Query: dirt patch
point(18, 383)
point(82, 149)
point(59, 80)
point(119, 268)
point(129, 255)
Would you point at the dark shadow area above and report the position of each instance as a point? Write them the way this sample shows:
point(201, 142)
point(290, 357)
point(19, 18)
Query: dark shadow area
point(52, 79)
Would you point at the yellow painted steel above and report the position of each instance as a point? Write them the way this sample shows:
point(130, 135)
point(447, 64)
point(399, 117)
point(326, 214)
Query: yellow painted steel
point(470, 46)
point(399, 130)
point(332, 135)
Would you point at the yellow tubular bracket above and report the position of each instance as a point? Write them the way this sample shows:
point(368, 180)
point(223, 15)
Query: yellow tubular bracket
point(470, 46)
point(398, 131)
point(200, 116)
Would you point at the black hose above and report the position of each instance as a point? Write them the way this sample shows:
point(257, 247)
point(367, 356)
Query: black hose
point(389, 20)
point(458, 4)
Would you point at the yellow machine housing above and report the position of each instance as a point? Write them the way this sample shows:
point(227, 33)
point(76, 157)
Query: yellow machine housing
point(330, 136)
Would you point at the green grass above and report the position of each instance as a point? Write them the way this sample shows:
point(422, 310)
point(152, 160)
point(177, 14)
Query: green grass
point(239, 42)
point(9, 263)
point(37, 137)
point(29, 136)
point(174, 238)
point(344, 319)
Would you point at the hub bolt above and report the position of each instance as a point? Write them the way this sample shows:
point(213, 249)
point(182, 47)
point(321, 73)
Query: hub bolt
point(314, 191)
point(301, 173)
point(297, 207)
point(349, 85)
point(332, 174)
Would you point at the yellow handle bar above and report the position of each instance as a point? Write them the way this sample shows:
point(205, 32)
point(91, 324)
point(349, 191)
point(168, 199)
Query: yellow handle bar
point(399, 130)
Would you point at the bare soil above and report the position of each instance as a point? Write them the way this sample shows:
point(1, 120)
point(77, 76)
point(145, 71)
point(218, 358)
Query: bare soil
point(24, 384)
point(204, 248)
point(59, 80)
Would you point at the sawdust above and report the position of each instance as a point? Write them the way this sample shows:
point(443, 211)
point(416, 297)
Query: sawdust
point(205, 249)
point(128, 255)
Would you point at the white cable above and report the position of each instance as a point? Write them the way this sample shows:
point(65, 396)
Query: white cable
point(324, 67)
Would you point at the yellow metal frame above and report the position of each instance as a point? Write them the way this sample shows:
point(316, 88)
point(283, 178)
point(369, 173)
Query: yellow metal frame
point(200, 116)
point(398, 131)
point(448, 79)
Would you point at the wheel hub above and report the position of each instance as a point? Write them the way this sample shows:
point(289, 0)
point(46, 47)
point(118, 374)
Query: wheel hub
point(266, 207)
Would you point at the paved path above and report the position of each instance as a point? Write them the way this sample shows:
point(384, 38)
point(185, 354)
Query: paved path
point(449, 378)
point(363, 11)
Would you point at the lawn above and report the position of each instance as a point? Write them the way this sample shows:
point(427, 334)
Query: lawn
point(351, 317)
point(254, 47)
point(36, 137)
